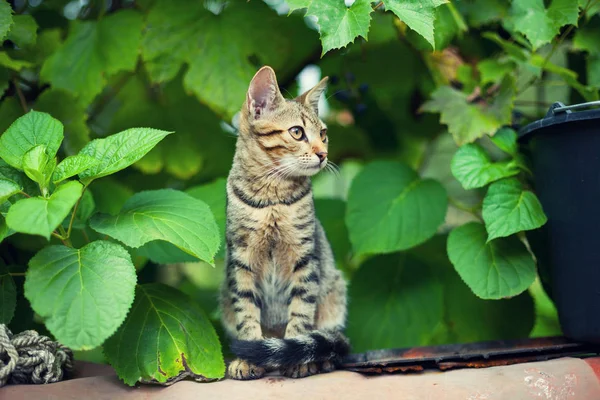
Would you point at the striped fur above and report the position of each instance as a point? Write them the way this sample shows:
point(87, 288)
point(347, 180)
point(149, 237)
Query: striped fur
point(283, 301)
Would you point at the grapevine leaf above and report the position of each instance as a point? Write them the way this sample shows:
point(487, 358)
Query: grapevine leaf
point(84, 294)
point(540, 24)
point(391, 209)
point(32, 129)
point(508, 209)
point(473, 168)
point(94, 51)
point(6, 18)
point(41, 215)
point(23, 31)
point(218, 48)
point(168, 215)
point(419, 15)
point(338, 24)
point(165, 334)
point(506, 140)
point(493, 270)
point(469, 121)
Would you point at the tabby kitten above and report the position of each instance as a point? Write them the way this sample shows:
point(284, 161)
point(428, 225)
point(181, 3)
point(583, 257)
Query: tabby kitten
point(283, 301)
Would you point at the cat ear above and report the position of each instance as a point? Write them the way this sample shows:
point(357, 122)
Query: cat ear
point(311, 97)
point(263, 94)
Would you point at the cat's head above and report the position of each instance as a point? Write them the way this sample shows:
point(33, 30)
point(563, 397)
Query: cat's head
point(286, 134)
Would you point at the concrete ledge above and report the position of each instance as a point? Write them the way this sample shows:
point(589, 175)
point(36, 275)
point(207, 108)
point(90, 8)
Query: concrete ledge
point(560, 379)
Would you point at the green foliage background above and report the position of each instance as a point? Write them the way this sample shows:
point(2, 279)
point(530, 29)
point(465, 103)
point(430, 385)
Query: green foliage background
point(426, 216)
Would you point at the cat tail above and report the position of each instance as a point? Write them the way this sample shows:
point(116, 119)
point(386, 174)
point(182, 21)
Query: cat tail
point(315, 346)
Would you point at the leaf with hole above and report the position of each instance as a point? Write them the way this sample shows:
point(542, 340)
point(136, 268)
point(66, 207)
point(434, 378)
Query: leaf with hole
point(167, 215)
point(83, 295)
point(164, 334)
point(508, 209)
point(32, 129)
point(493, 270)
point(390, 208)
point(41, 215)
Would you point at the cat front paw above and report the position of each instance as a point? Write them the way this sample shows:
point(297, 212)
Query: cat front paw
point(242, 370)
point(301, 371)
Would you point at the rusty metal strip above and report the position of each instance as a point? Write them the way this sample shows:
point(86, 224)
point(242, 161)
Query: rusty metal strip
point(471, 355)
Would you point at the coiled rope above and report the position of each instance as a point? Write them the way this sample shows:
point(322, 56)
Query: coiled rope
point(29, 357)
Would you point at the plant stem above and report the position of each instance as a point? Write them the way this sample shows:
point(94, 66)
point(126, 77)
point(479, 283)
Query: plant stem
point(75, 212)
point(20, 95)
point(24, 194)
point(64, 237)
point(16, 273)
point(378, 5)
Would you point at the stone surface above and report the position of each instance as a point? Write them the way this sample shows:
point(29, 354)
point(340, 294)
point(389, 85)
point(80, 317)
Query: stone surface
point(562, 379)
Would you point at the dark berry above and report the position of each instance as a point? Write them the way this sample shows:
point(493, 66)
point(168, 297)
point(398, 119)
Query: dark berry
point(333, 79)
point(363, 88)
point(342, 95)
point(361, 108)
point(350, 77)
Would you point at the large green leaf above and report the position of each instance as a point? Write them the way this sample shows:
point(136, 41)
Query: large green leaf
point(391, 209)
point(94, 51)
point(330, 213)
point(23, 31)
point(168, 215)
point(493, 270)
point(83, 295)
point(41, 215)
point(469, 121)
point(73, 165)
point(540, 24)
point(473, 168)
point(8, 294)
point(467, 318)
point(221, 53)
point(338, 24)
point(394, 291)
point(32, 129)
point(508, 209)
point(6, 18)
point(164, 334)
point(119, 151)
point(419, 15)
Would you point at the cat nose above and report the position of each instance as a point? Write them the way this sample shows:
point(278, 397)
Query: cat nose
point(322, 156)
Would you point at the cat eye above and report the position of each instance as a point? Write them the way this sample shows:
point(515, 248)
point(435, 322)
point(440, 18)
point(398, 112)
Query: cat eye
point(324, 135)
point(297, 132)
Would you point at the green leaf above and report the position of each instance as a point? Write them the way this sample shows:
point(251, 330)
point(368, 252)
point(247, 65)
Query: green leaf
point(93, 52)
point(6, 18)
point(10, 63)
point(330, 213)
point(506, 140)
point(37, 165)
point(473, 168)
point(586, 39)
point(164, 334)
point(23, 31)
point(508, 209)
point(391, 209)
point(65, 107)
point(83, 295)
point(538, 24)
point(8, 187)
point(41, 215)
point(391, 291)
point(492, 70)
point(217, 47)
point(8, 294)
point(32, 129)
point(72, 166)
point(419, 15)
point(493, 270)
point(168, 215)
point(469, 121)
point(485, 319)
point(482, 12)
point(119, 151)
point(338, 25)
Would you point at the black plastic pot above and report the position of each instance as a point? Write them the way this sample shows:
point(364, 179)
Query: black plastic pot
point(564, 150)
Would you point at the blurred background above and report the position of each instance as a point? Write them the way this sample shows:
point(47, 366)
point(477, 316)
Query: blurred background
point(104, 66)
